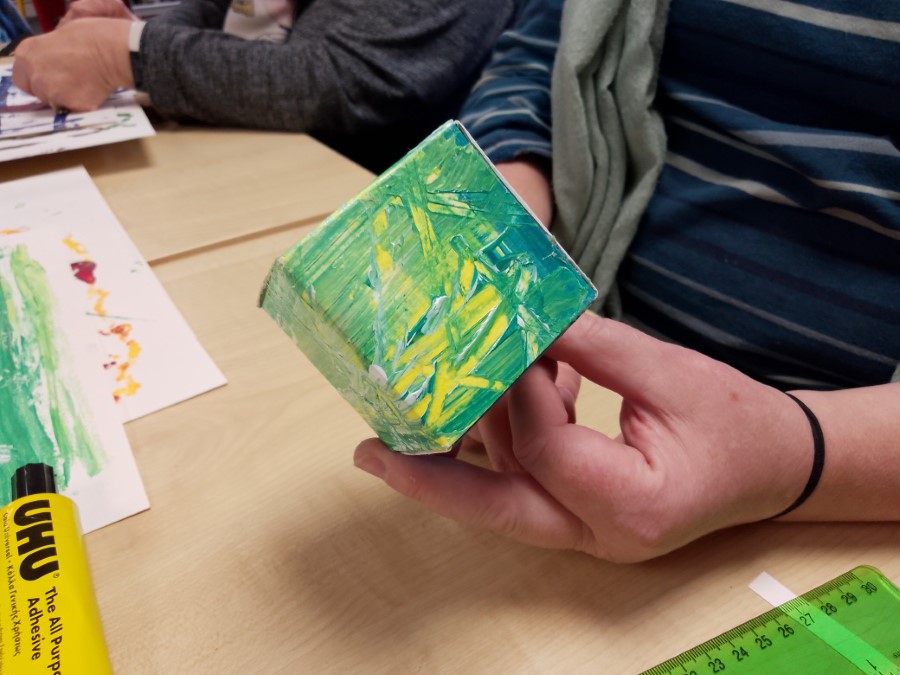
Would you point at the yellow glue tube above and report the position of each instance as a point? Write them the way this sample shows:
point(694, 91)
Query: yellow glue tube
point(49, 622)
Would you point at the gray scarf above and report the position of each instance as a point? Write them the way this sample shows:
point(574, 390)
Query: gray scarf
point(609, 143)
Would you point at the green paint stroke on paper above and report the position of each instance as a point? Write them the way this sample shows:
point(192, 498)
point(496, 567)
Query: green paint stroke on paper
point(425, 297)
point(44, 417)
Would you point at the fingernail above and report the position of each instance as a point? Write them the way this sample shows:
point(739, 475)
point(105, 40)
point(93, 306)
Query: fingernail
point(370, 464)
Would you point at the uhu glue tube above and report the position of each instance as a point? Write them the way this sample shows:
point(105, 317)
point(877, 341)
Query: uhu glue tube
point(49, 622)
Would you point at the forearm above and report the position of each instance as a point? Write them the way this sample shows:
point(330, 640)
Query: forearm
point(529, 176)
point(345, 67)
point(218, 78)
point(861, 476)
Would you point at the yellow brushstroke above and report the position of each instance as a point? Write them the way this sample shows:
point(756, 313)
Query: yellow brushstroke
point(101, 296)
point(487, 342)
point(130, 389)
point(442, 384)
point(419, 409)
point(476, 382)
point(383, 259)
point(74, 246)
point(380, 222)
point(423, 226)
point(134, 350)
point(451, 206)
point(466, 277)
point(445, 441)
point(404, 383)
point(122, 331)
point(425, 348)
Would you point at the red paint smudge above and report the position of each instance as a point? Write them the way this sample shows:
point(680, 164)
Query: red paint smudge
point(84, 271)
point(120, 329)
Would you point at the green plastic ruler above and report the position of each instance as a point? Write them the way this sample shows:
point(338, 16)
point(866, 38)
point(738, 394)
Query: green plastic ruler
point(849, 625)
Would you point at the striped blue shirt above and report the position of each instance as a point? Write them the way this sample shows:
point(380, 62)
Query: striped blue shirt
point(508, 112)
point(772, 241)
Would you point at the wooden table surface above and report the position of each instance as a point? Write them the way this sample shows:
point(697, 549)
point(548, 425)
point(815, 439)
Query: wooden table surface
point(189, 188)
point(266, 551)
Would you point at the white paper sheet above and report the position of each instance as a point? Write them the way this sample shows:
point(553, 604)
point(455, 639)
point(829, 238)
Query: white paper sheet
point(56, 407)
point(28, 128)
point(149, 355)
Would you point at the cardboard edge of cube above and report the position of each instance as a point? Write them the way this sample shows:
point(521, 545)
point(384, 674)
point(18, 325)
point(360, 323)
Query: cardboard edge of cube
point(401, 434)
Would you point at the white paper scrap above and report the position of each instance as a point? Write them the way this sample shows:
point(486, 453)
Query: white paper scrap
point(28, 128)
point(147, 353)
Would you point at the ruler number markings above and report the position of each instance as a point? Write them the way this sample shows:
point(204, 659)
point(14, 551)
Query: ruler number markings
point(735, 649)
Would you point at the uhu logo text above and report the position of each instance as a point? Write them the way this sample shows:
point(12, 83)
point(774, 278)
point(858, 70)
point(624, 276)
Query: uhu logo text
point(37, 547)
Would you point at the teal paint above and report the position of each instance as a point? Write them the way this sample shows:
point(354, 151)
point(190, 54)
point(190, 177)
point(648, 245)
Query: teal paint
point(428, 294)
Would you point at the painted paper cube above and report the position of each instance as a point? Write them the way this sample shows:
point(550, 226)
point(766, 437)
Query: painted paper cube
point(428, 294)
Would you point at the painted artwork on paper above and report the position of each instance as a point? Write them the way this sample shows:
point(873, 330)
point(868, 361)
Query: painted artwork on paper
point(148, 355)
point(29, 127)
point(426, 296)
point(54, 409)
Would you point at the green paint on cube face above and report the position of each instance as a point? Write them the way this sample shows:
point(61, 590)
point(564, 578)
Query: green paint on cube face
point(426, 296)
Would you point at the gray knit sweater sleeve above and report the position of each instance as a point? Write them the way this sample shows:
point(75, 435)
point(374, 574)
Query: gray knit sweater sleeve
point(370, 77)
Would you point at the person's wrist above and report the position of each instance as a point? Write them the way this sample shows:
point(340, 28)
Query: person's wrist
point(774, 462)
point(860, 474)
point(529, 176)
point(791, 456)
point(110, 39)
point(818, 457)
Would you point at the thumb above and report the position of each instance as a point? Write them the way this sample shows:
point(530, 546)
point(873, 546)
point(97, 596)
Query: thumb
point(513, 505)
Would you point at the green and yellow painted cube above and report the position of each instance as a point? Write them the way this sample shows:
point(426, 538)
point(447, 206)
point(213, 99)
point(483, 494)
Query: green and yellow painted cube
point(424, 298)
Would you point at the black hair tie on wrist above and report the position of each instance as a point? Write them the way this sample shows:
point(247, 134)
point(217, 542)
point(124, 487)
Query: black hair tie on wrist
point(818, 457)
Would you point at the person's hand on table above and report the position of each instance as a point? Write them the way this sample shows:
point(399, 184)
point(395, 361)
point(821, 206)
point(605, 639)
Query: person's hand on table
point(83, 9)
point(702, 447)
point(78, 65)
